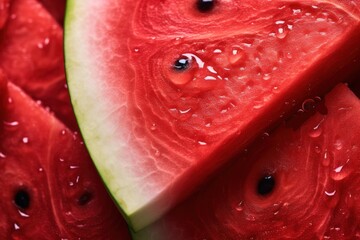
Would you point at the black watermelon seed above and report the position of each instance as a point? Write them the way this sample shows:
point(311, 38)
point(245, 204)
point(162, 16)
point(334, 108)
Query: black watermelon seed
point(22, 199)
point(205, 5)
point(181, 64)
point(265, 185)
point(85, 198)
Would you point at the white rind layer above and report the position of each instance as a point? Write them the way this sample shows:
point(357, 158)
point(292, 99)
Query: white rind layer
point(106, 140)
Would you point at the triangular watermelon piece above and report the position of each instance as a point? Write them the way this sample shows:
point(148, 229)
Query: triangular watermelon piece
point(294, 184)
point(49, 186)
point(31, 54)
point(166, 92)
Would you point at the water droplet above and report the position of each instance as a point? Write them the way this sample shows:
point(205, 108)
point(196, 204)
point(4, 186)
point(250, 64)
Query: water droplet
point(296, 11)
point(281, 33)
point(40, 45)
point(202, 143)
point(236, 55)
point(2, 155)
point(341, 172)
point(185, 111)
point(23, 214)
point(211, 69)
point(198, 60)
point(16, 226)
point(136, 50)
point(338, 144)
point(250, 217)
point(47, 41)
point(317, 149)
point(240, 206)
point(317, 130)
point(330, 194)
point(40, 169)
point(153, 127)
point(258, 104)
point(208, 123)
point(327, 158)
point(267, 76)
point(61, 159)
point(210, 78)
point(11, 124)
point(63, 132)
point(25, 140)
point(73, 167)
point(275, 89)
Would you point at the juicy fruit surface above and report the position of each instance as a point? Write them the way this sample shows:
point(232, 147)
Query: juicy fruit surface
point(50, 188)
point(314, 192)
point(4, 12)
point(31, 54)
point(56, 8)
point(193, 95)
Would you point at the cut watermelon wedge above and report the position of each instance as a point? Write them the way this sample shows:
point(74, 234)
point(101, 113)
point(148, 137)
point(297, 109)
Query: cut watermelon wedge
point(49, 186)
point(295, 184)
point(31, 54)
point(165, 93)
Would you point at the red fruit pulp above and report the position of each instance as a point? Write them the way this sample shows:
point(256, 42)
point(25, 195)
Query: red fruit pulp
point(292, 184)
point(50, 188)
point(31, 54)
point(185, 90)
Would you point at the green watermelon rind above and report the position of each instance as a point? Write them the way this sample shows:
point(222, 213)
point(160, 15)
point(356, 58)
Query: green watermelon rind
point(80, 69)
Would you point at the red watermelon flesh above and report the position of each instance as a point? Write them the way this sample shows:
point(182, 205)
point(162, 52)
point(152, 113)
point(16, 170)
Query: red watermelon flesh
point(56, 8)
point(50, 188)
point(249, 63)
point(31, 54)
point(313, 191)
point(3, 93)
point(4, 12)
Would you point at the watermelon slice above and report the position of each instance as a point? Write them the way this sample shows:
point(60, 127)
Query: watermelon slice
point(49, 186)
point(31, 54)
point(295, 184)
point(166, 91)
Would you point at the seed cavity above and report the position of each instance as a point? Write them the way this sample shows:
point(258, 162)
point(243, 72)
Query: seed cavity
point(265, 185)
point(181, 64)
point(22, 199)
point(205, 5)
point(85, 198)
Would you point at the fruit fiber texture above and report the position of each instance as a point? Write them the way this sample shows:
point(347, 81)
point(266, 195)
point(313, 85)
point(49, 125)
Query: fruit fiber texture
point(49, 186)
point(316, 192)
point(181, 90)
point(56, 8)
point(31, 54)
